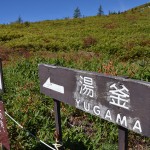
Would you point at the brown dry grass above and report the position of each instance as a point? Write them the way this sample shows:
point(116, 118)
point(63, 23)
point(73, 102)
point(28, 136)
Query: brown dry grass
point(10, 55)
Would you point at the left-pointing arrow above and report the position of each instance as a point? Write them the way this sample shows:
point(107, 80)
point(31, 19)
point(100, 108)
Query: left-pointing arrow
point(55, 87)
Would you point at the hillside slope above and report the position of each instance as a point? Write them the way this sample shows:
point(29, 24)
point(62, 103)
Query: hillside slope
point(126, 35)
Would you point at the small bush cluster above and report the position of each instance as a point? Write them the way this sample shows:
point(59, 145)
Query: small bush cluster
point(89, 41)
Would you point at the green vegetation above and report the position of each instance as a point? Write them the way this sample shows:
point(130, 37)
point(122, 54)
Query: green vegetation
point(118, 44)
point(100, 11)
point(77, 13)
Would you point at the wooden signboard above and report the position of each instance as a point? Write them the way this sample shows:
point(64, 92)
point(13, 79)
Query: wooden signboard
point(1, 78)
point(125, 102)
point(4, 140)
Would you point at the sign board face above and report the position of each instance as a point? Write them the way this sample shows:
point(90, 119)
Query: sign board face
point(125, 102)
point(1, 77)
point(4, 140)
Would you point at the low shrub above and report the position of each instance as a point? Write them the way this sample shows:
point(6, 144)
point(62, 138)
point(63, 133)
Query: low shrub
point(89, 41)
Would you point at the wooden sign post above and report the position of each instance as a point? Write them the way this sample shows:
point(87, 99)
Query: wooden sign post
point(4, 140)
point(125, 102)
point(1, 78)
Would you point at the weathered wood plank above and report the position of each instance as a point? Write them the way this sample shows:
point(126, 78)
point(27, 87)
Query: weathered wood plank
point(122, 138)
point(4, 140)
point(1, 78)
point(58, 132)
point(125, 102)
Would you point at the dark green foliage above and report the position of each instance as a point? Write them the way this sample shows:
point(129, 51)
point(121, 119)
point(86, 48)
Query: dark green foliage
point(77, 13)
point(19, 20)
point(100, 11)
point(27, 24)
